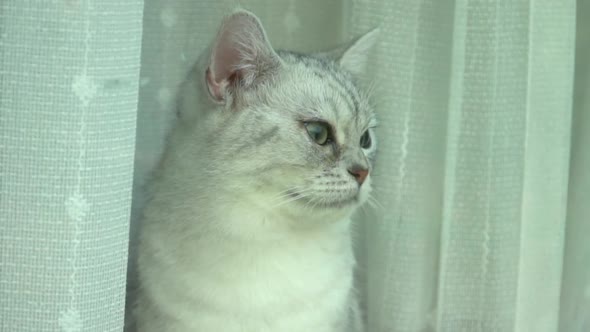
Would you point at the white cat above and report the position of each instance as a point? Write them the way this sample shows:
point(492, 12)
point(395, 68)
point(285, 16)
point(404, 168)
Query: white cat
point(247, 227)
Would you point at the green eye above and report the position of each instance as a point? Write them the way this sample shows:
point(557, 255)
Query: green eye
point(366, 140)
point(318, 131)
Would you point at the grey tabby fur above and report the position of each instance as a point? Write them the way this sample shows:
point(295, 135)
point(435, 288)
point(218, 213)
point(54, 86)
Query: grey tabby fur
point(247, 228)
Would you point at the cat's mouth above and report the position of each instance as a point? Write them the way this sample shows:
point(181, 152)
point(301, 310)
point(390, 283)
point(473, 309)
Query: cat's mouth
point(322, 202)
point(336, 204)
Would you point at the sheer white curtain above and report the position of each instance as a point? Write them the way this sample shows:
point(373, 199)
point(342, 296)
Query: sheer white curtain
point(483, 175)
point(477, 98)
point(68, 103)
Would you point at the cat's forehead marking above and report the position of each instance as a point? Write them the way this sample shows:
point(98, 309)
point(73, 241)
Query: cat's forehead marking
point(337, 83)
point(334, 82)
point(334, 107)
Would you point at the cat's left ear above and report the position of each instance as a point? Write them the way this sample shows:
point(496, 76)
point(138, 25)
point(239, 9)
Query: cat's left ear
point(354, 56)
point(241, 55)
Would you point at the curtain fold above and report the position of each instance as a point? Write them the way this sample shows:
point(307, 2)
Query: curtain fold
point(470, 226)
point(575, 291)
point(507, 166)
point(68, 99)
point(484, 167)
point(550, 70)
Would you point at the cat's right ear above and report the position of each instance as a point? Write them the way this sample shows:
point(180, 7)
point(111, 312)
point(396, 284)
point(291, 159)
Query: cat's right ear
point(241, 54)
point(354, 56)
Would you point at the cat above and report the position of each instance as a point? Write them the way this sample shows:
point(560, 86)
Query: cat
point(247, 226)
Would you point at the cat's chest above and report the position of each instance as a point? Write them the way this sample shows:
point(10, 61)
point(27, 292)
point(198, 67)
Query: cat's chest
point(290, 283)
point(288, 271)
point(212, 282)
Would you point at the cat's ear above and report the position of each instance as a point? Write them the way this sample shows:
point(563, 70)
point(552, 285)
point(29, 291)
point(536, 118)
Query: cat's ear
point(354, 56)
point(240, 55)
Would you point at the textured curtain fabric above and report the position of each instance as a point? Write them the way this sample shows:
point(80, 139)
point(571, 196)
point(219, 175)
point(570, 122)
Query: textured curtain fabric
point(68, 104)
point(483, 177)
point(476, 101)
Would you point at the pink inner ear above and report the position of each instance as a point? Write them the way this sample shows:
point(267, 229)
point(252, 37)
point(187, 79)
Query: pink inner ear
point(223, 67)
point(217, 90)
point(226, 58)
point(235, 53)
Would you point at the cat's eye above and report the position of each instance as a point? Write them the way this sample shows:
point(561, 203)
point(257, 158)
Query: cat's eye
point(366, 140)
point(318, 131)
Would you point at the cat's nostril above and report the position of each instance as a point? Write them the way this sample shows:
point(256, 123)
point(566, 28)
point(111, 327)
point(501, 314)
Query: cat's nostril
point(359, 173)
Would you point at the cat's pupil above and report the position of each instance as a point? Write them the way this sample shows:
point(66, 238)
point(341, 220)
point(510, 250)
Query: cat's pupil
point(366, 140)
point(318, 131)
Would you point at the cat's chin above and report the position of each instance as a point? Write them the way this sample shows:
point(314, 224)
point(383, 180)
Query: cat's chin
point(320, 211)
point(328, 207)
point(314, 203)
point(318, 204)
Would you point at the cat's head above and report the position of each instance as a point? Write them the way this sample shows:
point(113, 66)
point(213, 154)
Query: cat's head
point(290, 132)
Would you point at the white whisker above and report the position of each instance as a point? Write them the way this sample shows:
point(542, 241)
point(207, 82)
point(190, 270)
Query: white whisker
point(292, 199)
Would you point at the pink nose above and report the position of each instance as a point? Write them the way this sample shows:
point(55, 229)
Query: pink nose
point(359, 173)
